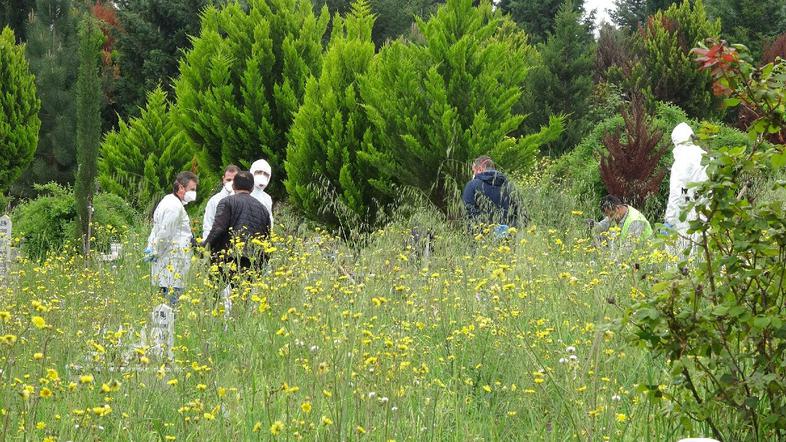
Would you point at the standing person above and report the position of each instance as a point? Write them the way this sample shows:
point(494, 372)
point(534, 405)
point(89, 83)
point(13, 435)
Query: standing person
point(212, 203)
point(488, 197)
point(633, 224)
point(262, 173)
point(169, 243)
point(239, 218)
point(686, 171)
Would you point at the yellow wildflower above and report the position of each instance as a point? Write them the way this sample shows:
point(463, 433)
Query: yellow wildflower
point(276, 428)
point(38, 322)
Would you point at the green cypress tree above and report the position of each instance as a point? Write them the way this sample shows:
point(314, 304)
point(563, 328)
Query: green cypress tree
point(667, 68)
point(88, 122)
point(244, 79)
point(435, 106)
point(153, 35)
point(52, 43)
point(329, 128)
point(19, 106)
point(753, 23)
point(138, 160)
point(393, 18)
point(631, 14)
point(13, 13)
point(537, 17)
point(563, 83)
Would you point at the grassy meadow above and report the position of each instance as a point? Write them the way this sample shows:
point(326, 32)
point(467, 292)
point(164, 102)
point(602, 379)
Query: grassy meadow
point(477, 339)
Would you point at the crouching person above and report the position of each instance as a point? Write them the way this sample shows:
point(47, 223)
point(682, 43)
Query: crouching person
point(489, 198)
point(631, 225)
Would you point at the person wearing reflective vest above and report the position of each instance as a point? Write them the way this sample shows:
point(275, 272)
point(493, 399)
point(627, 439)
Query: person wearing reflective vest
point(633, 225)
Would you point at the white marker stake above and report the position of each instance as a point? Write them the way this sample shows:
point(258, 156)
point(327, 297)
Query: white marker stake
point(162, 330)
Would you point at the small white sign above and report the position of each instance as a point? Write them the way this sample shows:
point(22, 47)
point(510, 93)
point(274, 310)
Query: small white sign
point(115, 249)
point(5, 244)
point(162, 331)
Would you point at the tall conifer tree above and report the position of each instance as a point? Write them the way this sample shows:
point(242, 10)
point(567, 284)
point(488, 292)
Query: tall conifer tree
point(330, 127)
point(563, 83)
point(243, 81)
point(149, 45)
point(19, 106)
point(51, 48)
point(88, 122)
point(537, 17)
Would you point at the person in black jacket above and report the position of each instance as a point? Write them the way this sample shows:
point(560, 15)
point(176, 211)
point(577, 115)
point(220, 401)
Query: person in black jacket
point(489, 196)
point(239, 218)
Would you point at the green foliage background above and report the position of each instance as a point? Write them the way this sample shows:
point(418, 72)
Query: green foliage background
point(436, 105)
point(48, 224)
point(19, 106)
point(88, 122)
point(578, 171)
point(139, 161)
point(331, 127)
point(244, 79)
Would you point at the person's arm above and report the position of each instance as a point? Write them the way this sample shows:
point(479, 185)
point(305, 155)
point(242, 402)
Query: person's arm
point(677, 191)
point(469, 199)
point(603, 226)
point(267, 222)
point(220, 225)
point(636, 229)
point(210, 216)
point(165, 224)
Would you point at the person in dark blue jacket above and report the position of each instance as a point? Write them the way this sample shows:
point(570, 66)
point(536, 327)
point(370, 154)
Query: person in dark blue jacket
point(489, 196)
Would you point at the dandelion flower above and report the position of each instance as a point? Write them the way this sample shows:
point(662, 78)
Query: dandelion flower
point(306, 407)
point(38, 322)
point(276, 428)
point(326, 421)
point(86, 379)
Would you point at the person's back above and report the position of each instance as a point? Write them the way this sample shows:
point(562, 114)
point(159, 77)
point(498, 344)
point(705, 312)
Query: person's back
point(239, 217)
point(686, 171)
point(489, 197)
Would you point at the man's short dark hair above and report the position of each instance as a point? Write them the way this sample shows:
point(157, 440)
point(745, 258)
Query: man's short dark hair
point(231, 169)
point(182, 179)
point(610, 202)
point(243, 181)
point(483, 162)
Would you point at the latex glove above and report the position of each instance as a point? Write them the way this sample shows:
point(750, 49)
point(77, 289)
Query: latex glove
point(149, 256)
point(590, 223)
point(501, 231)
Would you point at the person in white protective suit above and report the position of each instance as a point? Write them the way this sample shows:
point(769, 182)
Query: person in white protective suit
point(686, 171)
point(262, 173)
point(170, 241)
point(212, 203)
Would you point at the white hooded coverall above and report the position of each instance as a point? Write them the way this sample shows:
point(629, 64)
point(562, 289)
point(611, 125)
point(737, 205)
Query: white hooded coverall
point(686, 170)
point(260, 185)
point(170, 241)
